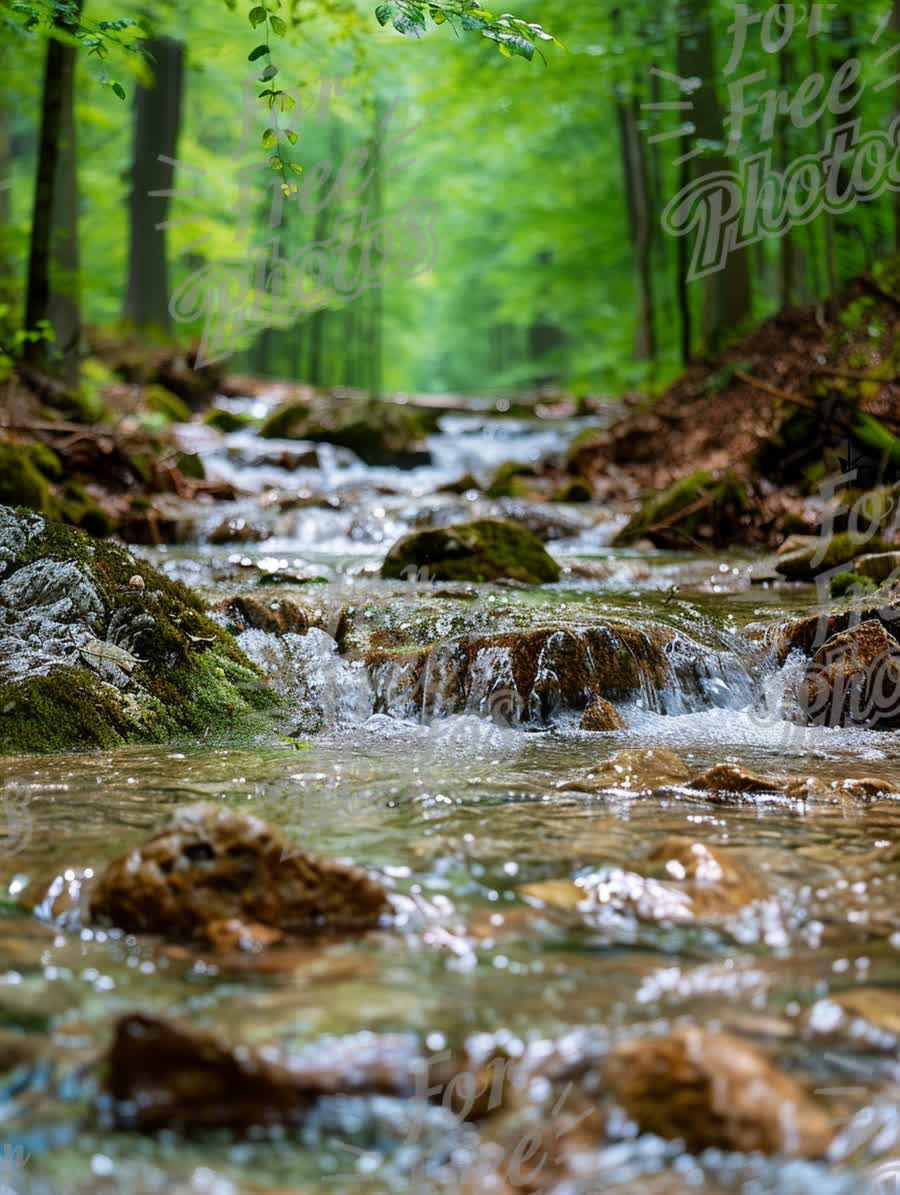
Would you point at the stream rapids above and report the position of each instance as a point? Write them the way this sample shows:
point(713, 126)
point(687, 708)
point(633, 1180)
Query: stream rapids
point(460, 801)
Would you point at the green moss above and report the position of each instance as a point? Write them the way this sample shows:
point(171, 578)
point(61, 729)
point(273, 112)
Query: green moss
point(844, 584)
point(577, 490)
point(192, 677)
point(227, 421)
point(21, 481)
point(69, 707)
point(380, 433)
point(485, 550)
point(507, 481)
point(190, 464)
point(46, 460)
point(163, 402)
point(81, 510)
point(286, 422)
point(675, 516)
point(840, 549)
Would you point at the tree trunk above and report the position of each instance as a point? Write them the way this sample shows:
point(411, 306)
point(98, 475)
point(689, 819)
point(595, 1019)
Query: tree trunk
point(786, 280)
point(637, 195)
point(157, 117)
point(728, 295)
point(376, 313)
point(54, 221)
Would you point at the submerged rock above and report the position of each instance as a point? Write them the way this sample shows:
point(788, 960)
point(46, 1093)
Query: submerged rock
point(640, 771)
point(602, 715)
point(164, 1073)
point(521, 677)
point(89, 658)
point(167, 1074)
point(713, 1091)
point(803, 557)
point(729, 778)
point(209, 864)
point(682, 882)
point(486, 550)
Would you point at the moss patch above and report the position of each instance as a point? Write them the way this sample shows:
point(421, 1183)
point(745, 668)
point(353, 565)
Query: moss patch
point(146, 664)
point(485, 550)
point(696, 507)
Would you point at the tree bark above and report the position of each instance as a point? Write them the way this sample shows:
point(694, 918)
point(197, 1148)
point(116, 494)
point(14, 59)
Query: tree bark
point(157, 119)
point(54, 222)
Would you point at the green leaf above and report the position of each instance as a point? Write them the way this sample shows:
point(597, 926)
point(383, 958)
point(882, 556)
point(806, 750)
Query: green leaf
point(291, 136)
point(410, 22)
point(118, 90)
point(384, 12)
point(269, 73)
point(277, 26)
point(276, 163)
point(269, 138)
point(257, 52)
point(258, 15)
point(296, 169)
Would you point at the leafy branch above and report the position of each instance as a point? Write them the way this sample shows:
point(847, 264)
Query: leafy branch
point(64, 19)
point(512, 35)
point(277, 99)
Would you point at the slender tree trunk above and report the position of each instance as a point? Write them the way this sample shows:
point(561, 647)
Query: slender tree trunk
point(728, 293)
point(55, 198)
point(376, 313)
point(786, 279)
point(157, 118)
point(637, 195)
point(682, 265)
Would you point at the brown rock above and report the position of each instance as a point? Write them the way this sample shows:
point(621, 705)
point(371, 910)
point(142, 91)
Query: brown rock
point(238, 531)
point(717, 882)
point(854, 680)
point(728, 778)
point(684, 882)
point(211, 864)
point(876, 1008)
point(167, 1074)
point(278, 616)
point(641, 771)
point(602, 715)
point(713, 1091)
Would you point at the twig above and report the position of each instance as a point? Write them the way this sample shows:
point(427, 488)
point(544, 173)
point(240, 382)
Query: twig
point(758, 384)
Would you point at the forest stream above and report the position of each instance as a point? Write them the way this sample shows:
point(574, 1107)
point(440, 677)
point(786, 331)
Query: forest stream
point(525, 923)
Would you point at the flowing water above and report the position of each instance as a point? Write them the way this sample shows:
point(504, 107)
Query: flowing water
point(458, 808)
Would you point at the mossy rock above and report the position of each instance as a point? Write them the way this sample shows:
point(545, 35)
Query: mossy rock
point(576, 490)
point(485, 550)
point(808, 561)
point(24, 469)
point(227, 421)
point(98, 649)
point(81, 510)
point(163, 402)
point(850, 584)
point(509, 481)
point(696, 507)
point(380, 433)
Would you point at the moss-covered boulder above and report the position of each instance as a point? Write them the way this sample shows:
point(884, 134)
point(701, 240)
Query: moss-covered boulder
point(25, 473)
point(97, 648)
point(228, 421)
point(511, 480)
point(380, 433)
point(803, 558)
point(700, 507)
point(485, 550)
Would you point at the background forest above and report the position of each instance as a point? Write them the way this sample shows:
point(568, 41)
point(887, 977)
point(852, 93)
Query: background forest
point(546, 180)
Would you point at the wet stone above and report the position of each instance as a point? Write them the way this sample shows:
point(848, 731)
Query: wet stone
point(639, 771)
point(602, 715)
point(209, 865)
point(713, 1091)
point(854, 680)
